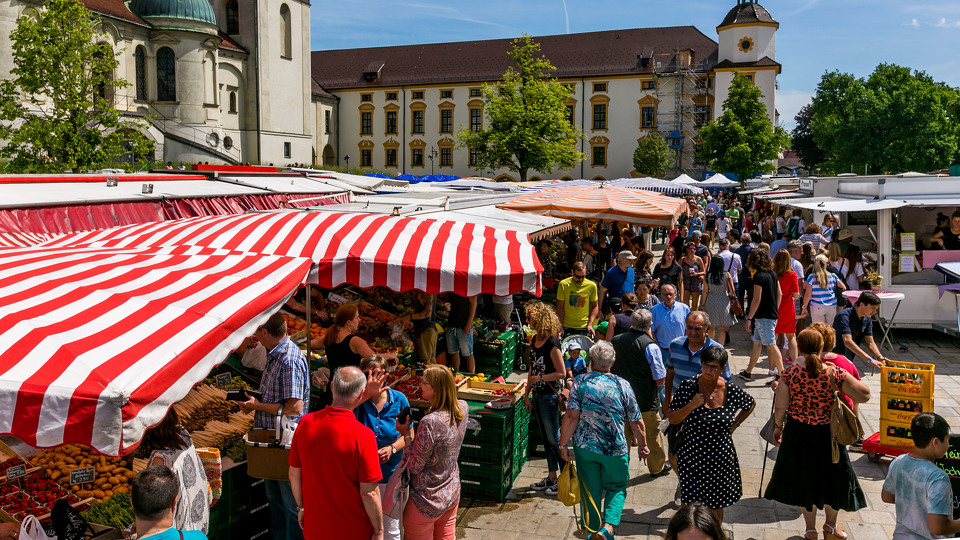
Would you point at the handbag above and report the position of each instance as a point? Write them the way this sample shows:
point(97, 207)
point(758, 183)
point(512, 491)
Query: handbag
point(845, 427)
point(735, 308)
point(767, 432)
point(568, 485)
point(397, 492)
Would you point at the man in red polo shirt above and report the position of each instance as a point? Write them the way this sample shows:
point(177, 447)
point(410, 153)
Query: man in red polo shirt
point(335, 468)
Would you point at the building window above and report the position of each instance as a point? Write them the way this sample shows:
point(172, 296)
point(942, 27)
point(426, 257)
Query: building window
point(474, 157)
point(366, 123)
point(446, 121)
point(701, 115)
point(600, 87)
point(391, 96)
point(417, 94)
point(475, 92)
point(391, 157)
point(446, 157)
point(391, 122)
point(416, 157)
point(649, 85)
point(166, 75)
point(233, 17)
point(232, 102)
point(476, 119)
point(600, 116)
point(416, 122)
point(570, 114)
point(648, 118)
point(326, 122)
point(141, 62)
point(446, 94)
point(748, 77)
point(286, 33)
point(599, 156)
point(287, 150)
point(366, 98)
point(366, 157)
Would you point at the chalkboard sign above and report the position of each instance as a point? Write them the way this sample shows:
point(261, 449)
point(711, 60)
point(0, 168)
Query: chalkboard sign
point(83, 475)
point(950, 464)
point(16, 472)
point(224, 379)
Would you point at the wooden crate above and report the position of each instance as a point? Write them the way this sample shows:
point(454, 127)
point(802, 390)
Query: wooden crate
point(413, 402)
point(483, 391)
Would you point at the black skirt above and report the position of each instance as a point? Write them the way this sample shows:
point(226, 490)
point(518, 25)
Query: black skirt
point(805, 475)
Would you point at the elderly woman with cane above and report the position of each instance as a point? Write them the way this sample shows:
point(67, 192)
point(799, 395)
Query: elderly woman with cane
point(599, 406)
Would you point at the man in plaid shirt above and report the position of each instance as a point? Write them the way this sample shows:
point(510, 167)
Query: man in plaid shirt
point(285, 384)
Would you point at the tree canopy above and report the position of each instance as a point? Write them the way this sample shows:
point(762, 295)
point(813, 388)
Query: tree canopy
point(56, 112)
point(808, 152)
point(894, 121)
point(742, 140)
point(652, 156)
point(527, 126)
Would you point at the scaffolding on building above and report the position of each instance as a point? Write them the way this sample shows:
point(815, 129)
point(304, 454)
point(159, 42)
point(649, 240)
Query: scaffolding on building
point(687, 84)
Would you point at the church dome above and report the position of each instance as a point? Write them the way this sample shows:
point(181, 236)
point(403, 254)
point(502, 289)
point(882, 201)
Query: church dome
point(195, 10)
point(746, 12)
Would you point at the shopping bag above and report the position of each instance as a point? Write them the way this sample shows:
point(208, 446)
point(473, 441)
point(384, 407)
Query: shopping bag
point(568, 485)
point(397, 492)
point(30, 529)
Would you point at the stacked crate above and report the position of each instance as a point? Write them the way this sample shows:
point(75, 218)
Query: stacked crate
point(906, 388)
point(494, 450)
point(495, 356)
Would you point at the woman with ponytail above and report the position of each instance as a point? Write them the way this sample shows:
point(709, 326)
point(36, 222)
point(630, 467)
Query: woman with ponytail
point(819, 299)
point(804, 474)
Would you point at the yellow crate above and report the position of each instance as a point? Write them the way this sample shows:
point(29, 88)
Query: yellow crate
point(895, 434)
point(910, 365)
point(899, 408)
point(913, 383)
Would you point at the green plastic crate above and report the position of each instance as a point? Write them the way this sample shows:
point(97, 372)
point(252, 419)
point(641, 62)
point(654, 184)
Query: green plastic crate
point(490, 484)
point(486, 454)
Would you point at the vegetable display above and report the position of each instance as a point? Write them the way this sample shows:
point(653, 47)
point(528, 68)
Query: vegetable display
point(112, 475)
point(116, 513)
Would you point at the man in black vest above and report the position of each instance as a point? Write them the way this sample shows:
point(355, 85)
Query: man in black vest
point(639, 361)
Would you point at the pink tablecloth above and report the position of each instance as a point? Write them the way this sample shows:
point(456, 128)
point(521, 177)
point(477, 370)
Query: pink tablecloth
point(852, 296)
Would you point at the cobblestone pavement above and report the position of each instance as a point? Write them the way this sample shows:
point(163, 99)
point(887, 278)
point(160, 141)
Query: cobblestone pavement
point(534, 516)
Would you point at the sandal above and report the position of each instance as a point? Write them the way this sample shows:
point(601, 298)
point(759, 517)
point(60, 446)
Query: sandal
point(833, 533)
point(602, 534)
point(806, 534)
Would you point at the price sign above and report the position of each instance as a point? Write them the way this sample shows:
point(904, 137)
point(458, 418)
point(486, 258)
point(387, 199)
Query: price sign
point(16, 472)
point(950, 464)
point(83, 475)
point(224, 379)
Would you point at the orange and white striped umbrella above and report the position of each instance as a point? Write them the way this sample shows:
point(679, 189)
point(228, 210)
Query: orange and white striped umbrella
point(609, 203)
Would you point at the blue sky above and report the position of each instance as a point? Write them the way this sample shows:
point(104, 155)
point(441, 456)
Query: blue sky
point(815, 36)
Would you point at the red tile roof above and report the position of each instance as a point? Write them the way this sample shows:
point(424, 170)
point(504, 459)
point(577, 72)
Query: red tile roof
point(114, 8)
point(228, 43)
point(591, 54)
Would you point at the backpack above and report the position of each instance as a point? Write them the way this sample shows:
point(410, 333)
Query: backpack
point(793, 227)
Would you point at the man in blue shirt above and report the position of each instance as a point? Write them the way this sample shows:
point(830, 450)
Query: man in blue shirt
point(684, 359)
point(618, 280)
point(669, 319)
point(854, 328)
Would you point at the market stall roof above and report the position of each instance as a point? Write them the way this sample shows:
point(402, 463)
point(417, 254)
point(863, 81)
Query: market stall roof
point(851, 204)
point(24, 195)
point(778, 194)
point(950, 269)
point(602, 202)
point(465, 207)
point(366, 250)
point(292, 183)
point(96, 344)
point(364, 182)
point(656, 184)
point(473, 183)
point(718, 180)
point(20, 239)
point(684, 179)
point(550, 184)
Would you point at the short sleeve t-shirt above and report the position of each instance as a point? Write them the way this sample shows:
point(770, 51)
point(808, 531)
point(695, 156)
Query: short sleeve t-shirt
point(174, 534)
point(767, 280)
point(847, 322)
point(605, 402)
point(921, 488)
point(811, 398)
point(542, 364)
point(334, 436)
point(576, 298)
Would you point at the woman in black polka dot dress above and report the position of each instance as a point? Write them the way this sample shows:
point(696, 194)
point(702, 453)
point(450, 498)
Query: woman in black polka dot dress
point(710, 410)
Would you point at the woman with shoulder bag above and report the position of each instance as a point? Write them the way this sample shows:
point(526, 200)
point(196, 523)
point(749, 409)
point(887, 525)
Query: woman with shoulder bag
point(805, 474)
point(544, 380)
point(600, 405)
point(717, 291)
point(431, 459)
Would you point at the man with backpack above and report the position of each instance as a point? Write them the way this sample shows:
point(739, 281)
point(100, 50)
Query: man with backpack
point(795, 225)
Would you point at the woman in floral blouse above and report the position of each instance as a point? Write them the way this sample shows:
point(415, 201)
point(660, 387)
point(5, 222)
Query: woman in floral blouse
point(599, 406)
point(431, 460)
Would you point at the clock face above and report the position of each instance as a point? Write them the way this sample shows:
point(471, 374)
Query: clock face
point(746, 44)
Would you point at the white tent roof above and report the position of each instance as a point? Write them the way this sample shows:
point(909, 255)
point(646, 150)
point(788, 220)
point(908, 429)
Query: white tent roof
point(719, 180)
point(25, 195)
point(364, 182)
point(291, 184)
point(656, 184)
point(684, 179)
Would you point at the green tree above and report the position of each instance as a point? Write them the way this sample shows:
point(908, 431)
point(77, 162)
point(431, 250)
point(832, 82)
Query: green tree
point(527, 125)
point(894, 121)
point(652, 156)
point(802, 140)
point(55, 112)
point(742, 140)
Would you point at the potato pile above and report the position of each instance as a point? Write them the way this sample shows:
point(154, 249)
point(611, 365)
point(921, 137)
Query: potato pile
point(112, 475)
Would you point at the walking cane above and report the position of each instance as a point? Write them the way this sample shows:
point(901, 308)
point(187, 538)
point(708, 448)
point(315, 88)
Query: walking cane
point(766, 447)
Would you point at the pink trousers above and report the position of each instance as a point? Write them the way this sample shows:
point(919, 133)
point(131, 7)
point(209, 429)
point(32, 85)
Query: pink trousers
point(416, 526)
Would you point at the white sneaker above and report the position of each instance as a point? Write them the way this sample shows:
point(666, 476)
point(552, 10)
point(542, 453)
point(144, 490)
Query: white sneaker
point(772, 372)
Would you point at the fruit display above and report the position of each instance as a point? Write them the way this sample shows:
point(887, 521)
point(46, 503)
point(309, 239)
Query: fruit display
point(12, 462)
point(236, 383)
point(111, 474)
point(116, 512)
point(19, 505)
point(410, 387)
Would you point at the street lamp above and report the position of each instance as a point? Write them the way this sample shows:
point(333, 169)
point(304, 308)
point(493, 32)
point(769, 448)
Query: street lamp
point(433, 153)
point(346, 158)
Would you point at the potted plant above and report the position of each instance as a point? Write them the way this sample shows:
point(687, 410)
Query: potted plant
point(875, 279)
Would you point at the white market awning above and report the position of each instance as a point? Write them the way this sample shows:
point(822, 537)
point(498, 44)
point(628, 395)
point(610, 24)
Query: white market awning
point(290, 183)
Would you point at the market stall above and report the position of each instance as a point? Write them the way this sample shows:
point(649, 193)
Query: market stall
point(603, 202)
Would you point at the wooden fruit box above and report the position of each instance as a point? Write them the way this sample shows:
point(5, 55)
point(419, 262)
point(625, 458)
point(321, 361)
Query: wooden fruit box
point(483, 391)
point(413, 402)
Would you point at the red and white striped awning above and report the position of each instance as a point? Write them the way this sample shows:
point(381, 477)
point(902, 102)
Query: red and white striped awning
point(401, 253)
point(96, 344)
point(22, 239)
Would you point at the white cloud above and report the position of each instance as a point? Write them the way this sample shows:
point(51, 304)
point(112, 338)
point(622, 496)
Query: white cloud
point(914, 23)
point(942, 23)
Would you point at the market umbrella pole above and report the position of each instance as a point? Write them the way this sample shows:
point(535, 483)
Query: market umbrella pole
point(763, 470)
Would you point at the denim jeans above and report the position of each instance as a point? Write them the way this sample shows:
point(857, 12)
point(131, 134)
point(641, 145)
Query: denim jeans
point(283, 511)
point(548, 418)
